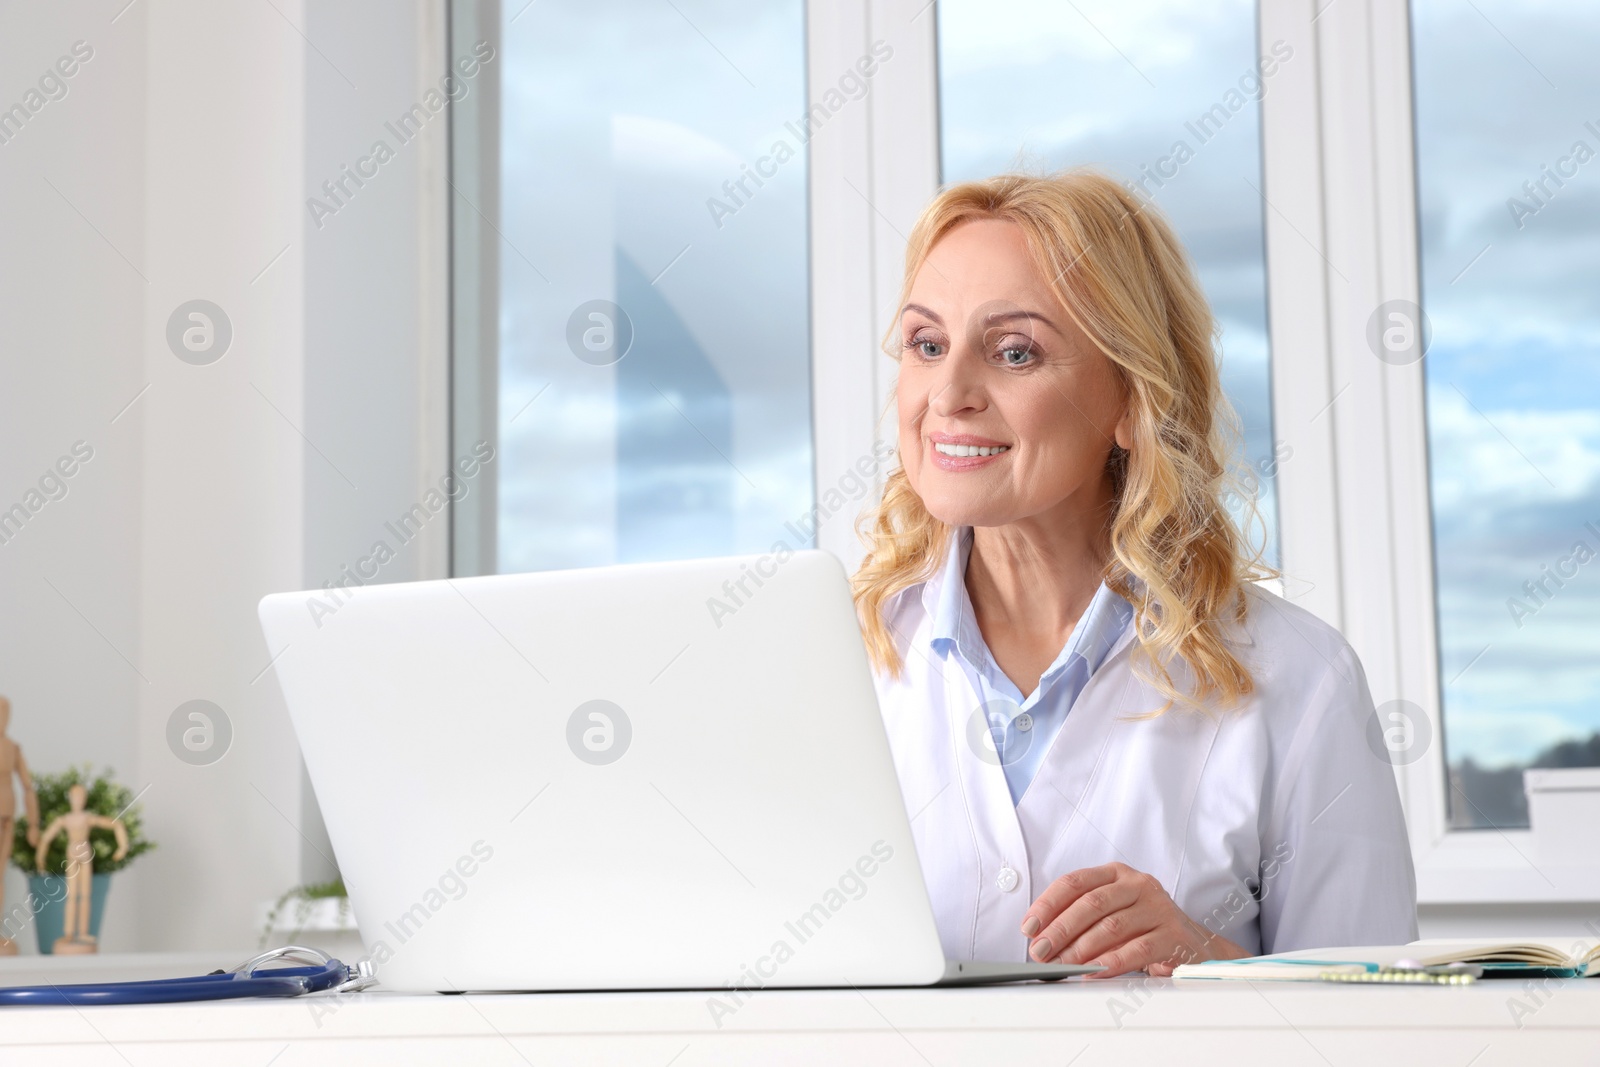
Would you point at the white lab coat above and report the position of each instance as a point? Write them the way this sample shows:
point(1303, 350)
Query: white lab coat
point(1275, 824)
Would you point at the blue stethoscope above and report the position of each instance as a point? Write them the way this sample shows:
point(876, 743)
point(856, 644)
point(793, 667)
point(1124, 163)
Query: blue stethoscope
point(318, 972)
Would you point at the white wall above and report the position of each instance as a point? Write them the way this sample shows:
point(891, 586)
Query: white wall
point(178, 149)
point(181, 153)
point(72, 190)
point(223, 476)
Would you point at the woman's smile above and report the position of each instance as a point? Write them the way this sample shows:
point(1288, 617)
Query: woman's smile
point(964, 451)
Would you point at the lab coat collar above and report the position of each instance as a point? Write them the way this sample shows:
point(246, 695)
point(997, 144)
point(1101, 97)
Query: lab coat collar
point(949, 614)
point(932, 584)
point(1235, 634)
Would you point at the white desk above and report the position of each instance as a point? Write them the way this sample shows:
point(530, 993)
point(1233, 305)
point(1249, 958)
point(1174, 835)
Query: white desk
point(1119, 1021)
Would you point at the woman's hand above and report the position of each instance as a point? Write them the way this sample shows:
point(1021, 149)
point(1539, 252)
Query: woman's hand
point(1121, 919)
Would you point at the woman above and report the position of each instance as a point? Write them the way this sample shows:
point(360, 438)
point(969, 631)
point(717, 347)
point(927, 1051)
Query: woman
point(1116, 749)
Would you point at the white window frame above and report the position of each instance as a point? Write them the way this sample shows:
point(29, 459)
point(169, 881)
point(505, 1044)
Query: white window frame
point(1341, 237)
point(872, 169)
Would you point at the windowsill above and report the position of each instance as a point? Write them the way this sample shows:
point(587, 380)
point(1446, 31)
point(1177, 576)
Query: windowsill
point(1500, 866)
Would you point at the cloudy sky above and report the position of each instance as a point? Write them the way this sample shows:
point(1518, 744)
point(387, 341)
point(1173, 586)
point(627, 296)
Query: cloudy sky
point(619, 121)
point(1514, 372)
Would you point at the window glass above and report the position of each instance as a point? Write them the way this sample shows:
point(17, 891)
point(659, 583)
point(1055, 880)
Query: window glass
point(1508, 184)
point(653, 351)
point(1163, 94)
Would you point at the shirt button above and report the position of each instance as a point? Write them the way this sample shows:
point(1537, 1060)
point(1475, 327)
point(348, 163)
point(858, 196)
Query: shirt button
point(1007, 879)
point(1024, 722)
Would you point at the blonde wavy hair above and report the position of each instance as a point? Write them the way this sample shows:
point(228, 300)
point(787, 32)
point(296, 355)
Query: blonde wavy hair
point(1176, 554)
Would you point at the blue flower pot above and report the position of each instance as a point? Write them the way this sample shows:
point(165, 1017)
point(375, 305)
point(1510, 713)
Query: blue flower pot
point(49, 891)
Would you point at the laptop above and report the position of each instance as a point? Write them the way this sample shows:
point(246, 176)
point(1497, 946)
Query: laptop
point(643, 776)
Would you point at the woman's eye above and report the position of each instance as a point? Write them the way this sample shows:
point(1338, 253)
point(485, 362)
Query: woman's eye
point(925, 348)
point(1016, 357)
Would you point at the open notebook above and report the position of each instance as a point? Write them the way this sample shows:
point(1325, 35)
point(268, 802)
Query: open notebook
point(1560, 957)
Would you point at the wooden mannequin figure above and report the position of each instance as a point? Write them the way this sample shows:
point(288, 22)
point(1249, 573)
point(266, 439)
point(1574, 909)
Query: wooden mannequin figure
point(80, 866)
point(12, 763)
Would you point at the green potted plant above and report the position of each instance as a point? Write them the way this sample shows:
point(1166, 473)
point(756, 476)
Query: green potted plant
point(322, 906)
point(46, 892)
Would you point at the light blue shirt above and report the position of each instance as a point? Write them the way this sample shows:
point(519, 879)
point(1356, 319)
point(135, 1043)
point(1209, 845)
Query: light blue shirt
point(1021, 729)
